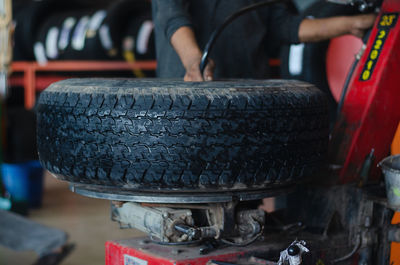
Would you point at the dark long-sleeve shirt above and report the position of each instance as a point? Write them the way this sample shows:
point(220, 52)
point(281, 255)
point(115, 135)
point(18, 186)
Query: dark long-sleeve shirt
point(240, 51)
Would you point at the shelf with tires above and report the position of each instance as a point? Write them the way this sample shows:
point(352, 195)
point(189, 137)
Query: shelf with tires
point(55, 40)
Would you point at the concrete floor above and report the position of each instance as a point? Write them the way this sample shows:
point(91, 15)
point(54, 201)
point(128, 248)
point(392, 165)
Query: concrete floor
point(86, 220)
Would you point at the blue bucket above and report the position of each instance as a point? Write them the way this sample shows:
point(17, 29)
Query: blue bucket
point(24, 182)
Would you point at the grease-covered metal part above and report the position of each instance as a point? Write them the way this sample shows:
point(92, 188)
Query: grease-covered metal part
point(175, 225)
point(157, 222)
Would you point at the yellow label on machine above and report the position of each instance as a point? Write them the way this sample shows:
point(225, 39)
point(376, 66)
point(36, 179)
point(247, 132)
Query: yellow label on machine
point(386, 22)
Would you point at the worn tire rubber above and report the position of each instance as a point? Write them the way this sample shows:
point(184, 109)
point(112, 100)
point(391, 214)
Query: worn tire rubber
point(165, 135)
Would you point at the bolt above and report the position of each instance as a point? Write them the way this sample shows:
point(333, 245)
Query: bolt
point(363, 7)
point(191, 233)
point(293, 250)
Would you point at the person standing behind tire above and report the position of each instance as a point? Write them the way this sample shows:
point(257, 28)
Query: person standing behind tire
point(182, 27)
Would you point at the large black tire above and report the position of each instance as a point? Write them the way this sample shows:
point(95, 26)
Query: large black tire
point(178, 136)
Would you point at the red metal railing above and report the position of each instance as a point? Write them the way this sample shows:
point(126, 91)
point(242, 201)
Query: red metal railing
point(33, 82)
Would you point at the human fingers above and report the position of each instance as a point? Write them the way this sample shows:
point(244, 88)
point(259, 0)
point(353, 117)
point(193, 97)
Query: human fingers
point(209, 71)
point(193, 75)
point(365, 21)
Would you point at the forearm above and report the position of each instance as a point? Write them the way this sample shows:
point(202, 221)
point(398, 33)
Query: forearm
point(185, 45)
point(313, 30)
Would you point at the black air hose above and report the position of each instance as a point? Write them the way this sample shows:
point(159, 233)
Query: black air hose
point(218, 30)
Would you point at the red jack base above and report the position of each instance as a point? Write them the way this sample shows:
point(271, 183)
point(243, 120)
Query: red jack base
point(141, 251)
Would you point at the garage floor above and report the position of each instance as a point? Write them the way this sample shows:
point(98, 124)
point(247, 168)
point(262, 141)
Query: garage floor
point(86, 220)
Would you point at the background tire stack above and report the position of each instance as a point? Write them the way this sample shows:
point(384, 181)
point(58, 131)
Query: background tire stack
point(53, 30)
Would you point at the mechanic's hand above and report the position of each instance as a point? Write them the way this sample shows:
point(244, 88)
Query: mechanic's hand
point(193, 71)
point(361, 23)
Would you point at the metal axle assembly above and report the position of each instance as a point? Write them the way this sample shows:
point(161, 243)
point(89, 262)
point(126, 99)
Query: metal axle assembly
point(172, 224)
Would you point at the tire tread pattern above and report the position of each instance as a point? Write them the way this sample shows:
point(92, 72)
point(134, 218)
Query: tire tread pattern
point(176, 136)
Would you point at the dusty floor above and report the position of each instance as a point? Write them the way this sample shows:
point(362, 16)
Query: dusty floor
point(86, 220)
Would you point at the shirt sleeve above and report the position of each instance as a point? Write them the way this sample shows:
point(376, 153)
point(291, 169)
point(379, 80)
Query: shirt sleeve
point(170, 15)
point(283, 26)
